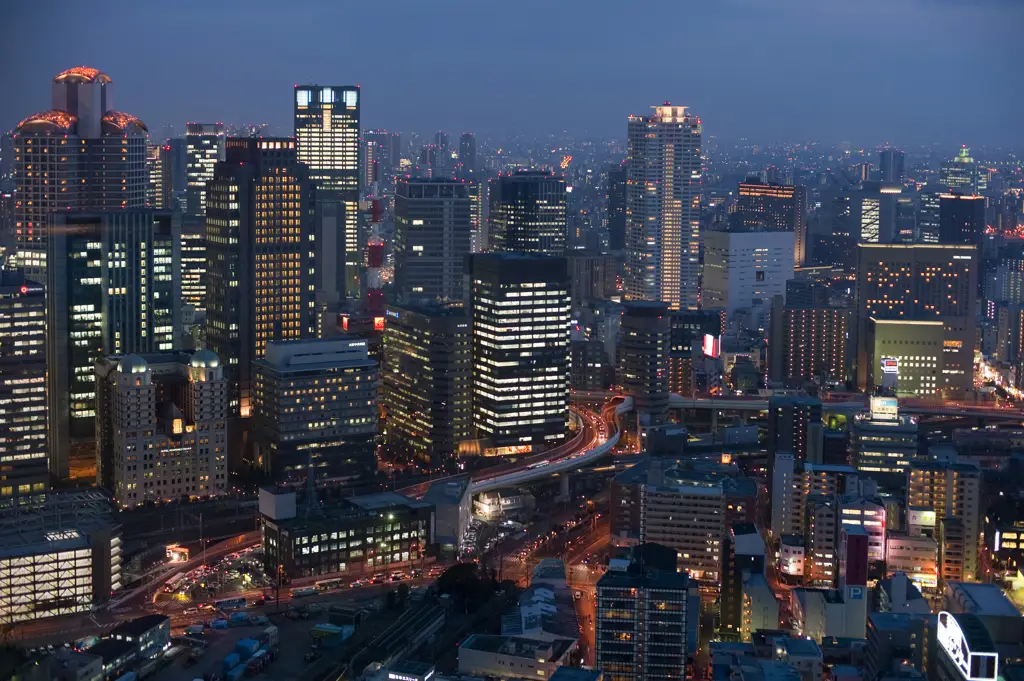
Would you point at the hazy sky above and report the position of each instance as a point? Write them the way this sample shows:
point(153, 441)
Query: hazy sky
point(905, 71)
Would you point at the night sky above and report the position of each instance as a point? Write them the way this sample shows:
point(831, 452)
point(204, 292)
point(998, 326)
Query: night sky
point(866, 71)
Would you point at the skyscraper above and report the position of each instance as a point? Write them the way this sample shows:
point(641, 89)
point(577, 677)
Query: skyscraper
point(520, 395)
point(776, 208)
point(948, 490)
point(644, 341)
point(79, 155)
point(745, 269)
point(528, 213)
point(806, 343)
point(921, 282)
point(891, 163)
point(327, 141)
point(960, 173)
point(791, 421)
point(260, 234)
point(617, 207)
point(162, 426)
point(193, 262)
point(663, 207)
point(315, 403)
point(426, 377)
point(22, 387)
point(112, 288)
point(433, 229)
point(467, 154)
point(928, 201)
point(204, 148)
point(961, 219)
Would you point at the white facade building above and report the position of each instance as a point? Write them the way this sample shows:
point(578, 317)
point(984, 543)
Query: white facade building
point(743, 270)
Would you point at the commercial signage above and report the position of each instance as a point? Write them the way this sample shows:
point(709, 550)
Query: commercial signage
point(885, 409)
point(972, 666)
point(890, 365)
point(712, 346)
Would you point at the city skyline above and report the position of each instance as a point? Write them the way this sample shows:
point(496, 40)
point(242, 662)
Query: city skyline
point(878, 73)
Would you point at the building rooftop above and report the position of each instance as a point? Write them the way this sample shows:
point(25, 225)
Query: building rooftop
point(800, 647)
point(974, 631)
point(576, 674)
point(890, 621)
point(110, 649)
point(516, 646)
point(447, 491)
point(654, 579)
point(140, 625)
point(410, 668)
point(982, 599)
point(548, 569)
point(375, 502)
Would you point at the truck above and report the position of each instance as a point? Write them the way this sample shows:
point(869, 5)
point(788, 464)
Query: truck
point(269, 637)
point(235, 674)
point(301, 592)
point(330, 635)
point(194, 630)
point(231, 661)
point(257, 663)
point(246, 648)
point(219, 624)
point(239, 618)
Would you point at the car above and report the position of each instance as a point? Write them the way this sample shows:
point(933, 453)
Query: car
point(190, 611)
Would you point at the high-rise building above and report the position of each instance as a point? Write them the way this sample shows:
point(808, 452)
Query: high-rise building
point(112, 288)
point(644, 341)
point(527, 213)
point(520, 395)
point(617, 207)
point(79, 155)
point(259, 246)
point(793, 482)
point(477, 197)
point(327, 141)
point(193, 262)
point(906, 357)
point(885, 443)
point(743, 554)
point(162, 426)
point(776, 208)
point(891, 164)
point(790, 421)
point(873, 209)
point(690, 330)
point(821, 540)
point(592, 275)
point(641, 624)
point(663, 207)
point(433, 231)
point(22, 388)
point(920, 283)
point(806, 343)
point(427, 381)
point(744, 270)
point(961, 219)
point(961, 173)
point(948, 491)
point(928, 202)
point(467, 154)
point(315, 404)
point(155, 179)
point(204, 149)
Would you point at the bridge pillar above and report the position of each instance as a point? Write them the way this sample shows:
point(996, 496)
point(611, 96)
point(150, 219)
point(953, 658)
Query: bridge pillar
point(563, 487)
point(714, 420)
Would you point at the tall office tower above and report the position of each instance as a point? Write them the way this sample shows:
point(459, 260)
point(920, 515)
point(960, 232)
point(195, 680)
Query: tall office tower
point(807, 343)
point(162, 426)
point(478, 239)
point(520, 390)
point(163, 179)
point(928, 203)
point(204, 149)
point(327, 141)
point(427, 382)
point(467, 154)
point(821, 540)
point(692, 331)
point(891, 163)
point(663, 207)
point(920, 283)
point(873, 211)
point(155, 179)
point(641, 624)
point(644, 341)
point(790, 425)
point(259, 248)
point(592, 276)
point(193, 262)
point(961, 219)
point(776, 208)
point(112, 288)
point(617, 177)
point(433, 230)
point(744, 270)
point(79, 155)
point(948, 491)
point(395, 149)
point(22, 388)
point(885, 443)
point(315, 404)
point(960, 173)
point(528, 213)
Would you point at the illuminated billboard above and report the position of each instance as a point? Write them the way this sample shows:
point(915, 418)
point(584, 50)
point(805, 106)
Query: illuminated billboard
point(973, 666)
point(712, 346)
point(885, 409)
point(890, 365)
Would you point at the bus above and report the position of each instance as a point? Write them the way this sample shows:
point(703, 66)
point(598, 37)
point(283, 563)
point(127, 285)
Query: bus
point(303, 591)
point(329, 584)
point(171, 585)
point(230, 604)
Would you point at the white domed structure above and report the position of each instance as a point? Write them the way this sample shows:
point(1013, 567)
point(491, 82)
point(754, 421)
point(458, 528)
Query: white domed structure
point(206, 359)
point(132, 364)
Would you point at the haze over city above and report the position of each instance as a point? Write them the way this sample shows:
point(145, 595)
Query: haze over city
point(869, 72)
